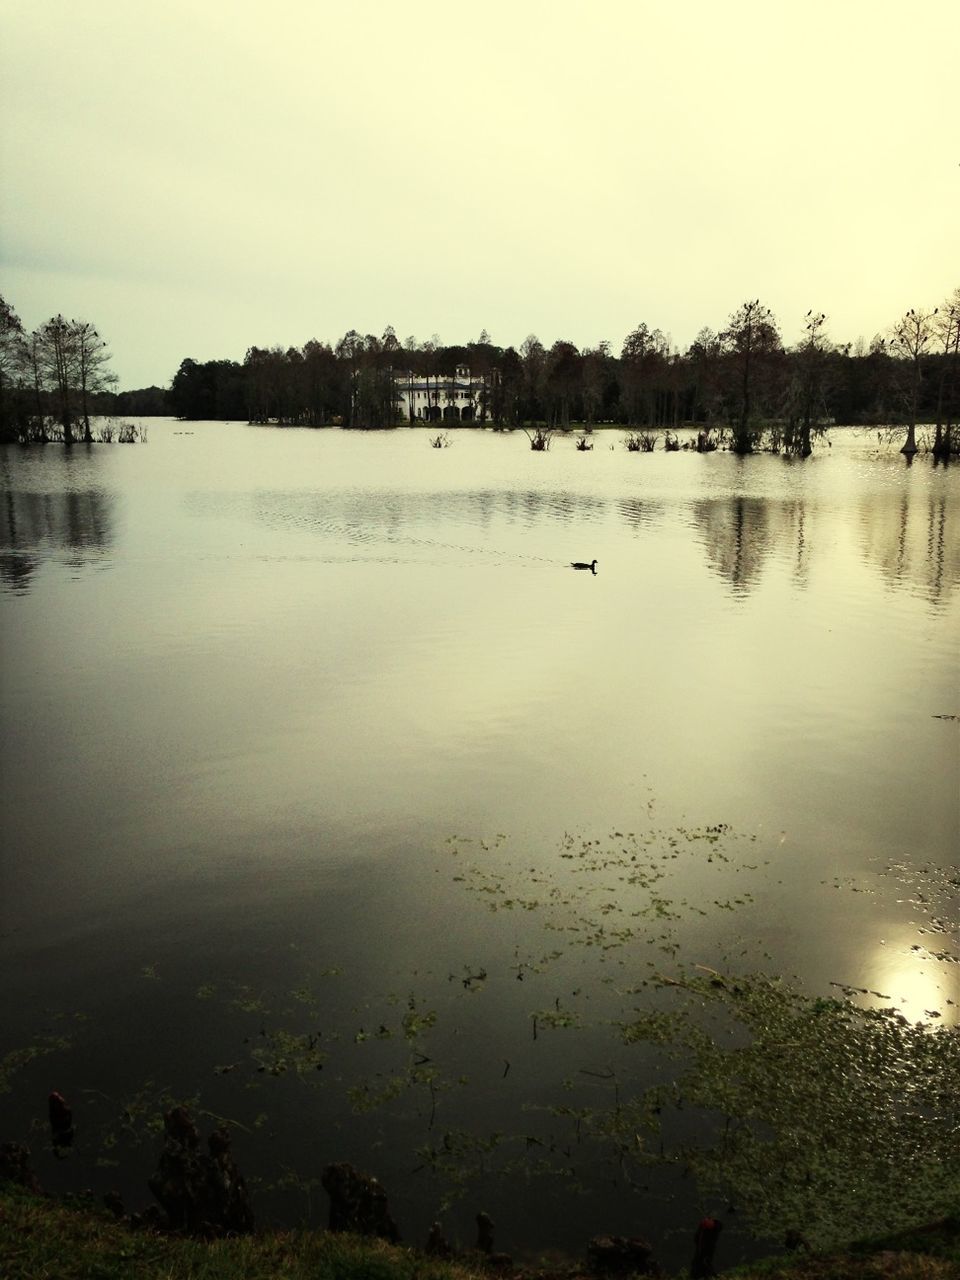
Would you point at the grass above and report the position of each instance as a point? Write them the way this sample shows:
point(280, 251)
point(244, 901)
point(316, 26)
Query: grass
point(45, 1239)
point(928, 1253)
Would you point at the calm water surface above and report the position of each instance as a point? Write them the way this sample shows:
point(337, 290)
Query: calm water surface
point(283, 703)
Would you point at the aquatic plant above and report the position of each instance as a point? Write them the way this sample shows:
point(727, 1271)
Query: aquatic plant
point(814, 1113)
point(640, 442)
point(539, 437)
point(16, 1060)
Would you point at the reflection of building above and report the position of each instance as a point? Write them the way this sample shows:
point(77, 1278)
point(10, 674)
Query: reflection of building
point(440, 399)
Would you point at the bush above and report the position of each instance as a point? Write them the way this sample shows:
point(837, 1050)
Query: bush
point(641, 442)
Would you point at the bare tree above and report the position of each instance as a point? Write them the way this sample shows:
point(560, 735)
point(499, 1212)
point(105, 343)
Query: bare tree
point(91, 358)
point(12, 366)
point(57, 355)
point(910, 340)
point(752, 342)
point(37, 376)
point(948, 331)
point(807, 393)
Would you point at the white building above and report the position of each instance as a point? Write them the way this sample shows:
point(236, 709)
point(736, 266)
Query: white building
point(439, 398)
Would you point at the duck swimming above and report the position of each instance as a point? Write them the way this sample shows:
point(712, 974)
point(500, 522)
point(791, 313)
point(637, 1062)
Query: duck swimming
point(579, 564)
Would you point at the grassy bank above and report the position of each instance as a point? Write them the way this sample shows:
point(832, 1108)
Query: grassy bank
point(45, 1239)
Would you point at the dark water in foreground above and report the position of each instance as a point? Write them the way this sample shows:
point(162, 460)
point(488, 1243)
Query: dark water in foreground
point(287, 712)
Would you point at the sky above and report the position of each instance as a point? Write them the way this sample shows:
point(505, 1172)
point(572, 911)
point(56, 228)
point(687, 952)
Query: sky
point(201, 176)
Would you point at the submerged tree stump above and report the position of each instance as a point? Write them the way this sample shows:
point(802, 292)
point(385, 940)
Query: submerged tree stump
point(200, 1194)
point(358, 1203)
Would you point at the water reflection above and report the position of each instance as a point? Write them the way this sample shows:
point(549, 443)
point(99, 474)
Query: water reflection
point(16, 571)
point(736, 537)
point(366, 514)
point(313, 674)
point(639, 513)
point(904, 533)
point(908, 977)
point(34, 525)
point(905, 536)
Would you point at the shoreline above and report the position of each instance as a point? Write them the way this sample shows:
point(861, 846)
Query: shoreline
point(43, 1236)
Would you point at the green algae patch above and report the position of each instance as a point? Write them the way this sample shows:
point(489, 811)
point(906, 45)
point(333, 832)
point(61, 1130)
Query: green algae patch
point(803, 1112)
point(817, 1115)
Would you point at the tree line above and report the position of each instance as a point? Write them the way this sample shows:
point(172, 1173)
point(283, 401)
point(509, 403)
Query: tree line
point(744, 378)
point(54, 380)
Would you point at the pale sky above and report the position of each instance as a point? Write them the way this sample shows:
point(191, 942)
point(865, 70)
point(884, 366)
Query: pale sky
point(198, 176)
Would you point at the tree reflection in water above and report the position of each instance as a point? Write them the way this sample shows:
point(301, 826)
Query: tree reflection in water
point(906, 537)
point(736, 537)
point(35, 526)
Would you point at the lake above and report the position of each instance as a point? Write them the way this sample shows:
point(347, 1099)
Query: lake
point(326, 781)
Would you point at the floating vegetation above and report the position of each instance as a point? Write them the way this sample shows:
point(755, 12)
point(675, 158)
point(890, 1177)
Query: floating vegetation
point(811, 1113)
point(831, 1119)
point(17, 1059)
point(472, 981)
point(611, 891)
point(933, 892)
point(554, 1018)
point(278, 1051)
point(130, 1122)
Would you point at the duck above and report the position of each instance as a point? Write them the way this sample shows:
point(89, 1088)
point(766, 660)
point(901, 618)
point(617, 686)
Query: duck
point(580, 564)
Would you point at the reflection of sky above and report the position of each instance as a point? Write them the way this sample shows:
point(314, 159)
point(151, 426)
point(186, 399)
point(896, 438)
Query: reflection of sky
point(303, 630)
point(911, 980)
point(311, 658)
